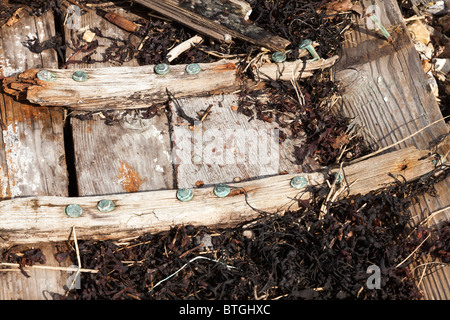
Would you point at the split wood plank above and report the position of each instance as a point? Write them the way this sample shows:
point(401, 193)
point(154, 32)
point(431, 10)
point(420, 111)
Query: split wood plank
point(33, 219)
point(387, 93)
point(32, 159)
point(129, 87)
point(226, 145)
point(137, 87)
point(222, 20)
point(128, 155)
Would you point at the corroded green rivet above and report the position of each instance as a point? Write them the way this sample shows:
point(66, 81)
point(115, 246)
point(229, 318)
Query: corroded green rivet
point(105, 206)
point(80, 76)
point(193, 68)
point(307, 44)
point(185, 194)
point(162, 68)
point(73, 210)
point(46, 75)
point(221, 190)
point(339, 177)
point(278, 57)
point(298, 182)
point(381, 27)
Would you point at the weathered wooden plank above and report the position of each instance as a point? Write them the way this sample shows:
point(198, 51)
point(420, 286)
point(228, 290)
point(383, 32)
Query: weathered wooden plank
point(137, 87)
point(386, 91)
point(226, 145)
point(156, 211)
point(221, 20)
point(128, 155)
point(127, 87)
point(32, 160)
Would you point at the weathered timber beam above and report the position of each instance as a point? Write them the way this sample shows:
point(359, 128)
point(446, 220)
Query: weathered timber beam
point(121, 87)
point(42, 219)
point(139, 87)
point(221, 20)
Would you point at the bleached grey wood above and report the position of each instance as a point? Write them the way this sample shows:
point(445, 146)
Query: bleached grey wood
point(32, 160)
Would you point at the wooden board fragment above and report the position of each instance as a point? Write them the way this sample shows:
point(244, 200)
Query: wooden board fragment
point(221, 20)
point(32, 160)
point(156, 211)
point(128, 155)
point(387, 93)
point(125, 87)
point(226, 144)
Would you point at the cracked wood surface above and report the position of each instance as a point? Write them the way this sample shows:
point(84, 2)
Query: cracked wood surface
point(387, 93)
point(32, 159)
point(128, 155)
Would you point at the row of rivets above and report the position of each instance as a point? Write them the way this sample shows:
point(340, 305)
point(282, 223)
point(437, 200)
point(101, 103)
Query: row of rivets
point(220, 190)
point(164, 68)
point(46, 75)
point(75, 210)
point(81, 76)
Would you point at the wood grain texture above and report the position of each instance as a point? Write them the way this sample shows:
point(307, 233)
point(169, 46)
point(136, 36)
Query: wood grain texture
point(221, 20)
point(129, 155)
point(226, 145)
point(128, 87)
point(292, 70)
point(32, 160)
point(387, 93)
point(156, 211)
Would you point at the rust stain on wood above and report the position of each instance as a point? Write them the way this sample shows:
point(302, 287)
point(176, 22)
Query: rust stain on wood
point(129, 179)
point(225, 67)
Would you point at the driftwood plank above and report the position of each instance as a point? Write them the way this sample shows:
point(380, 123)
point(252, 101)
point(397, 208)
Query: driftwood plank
point(32, 161)
point(222, 20)
point(386, 91)
point(131, 87)
point(127, 87)
point(36, 219)
point(128, 155)
point(226, 145)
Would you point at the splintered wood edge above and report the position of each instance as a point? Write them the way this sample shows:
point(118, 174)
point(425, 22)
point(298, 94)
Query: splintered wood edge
point(129, 87)
point(135, 87)
point(42, 219)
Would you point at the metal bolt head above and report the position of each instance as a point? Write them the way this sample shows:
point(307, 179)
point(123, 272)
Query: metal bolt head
point(305, 43)
point(80, 76)
point(106, 205)
point(221, 190)
point(46, 75)
point(279, 57)
point(185, 194)
point(193, 68)
point(73, 210)
point(162, 69)
point(298, 182)
point(338, 177)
